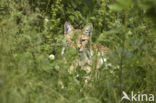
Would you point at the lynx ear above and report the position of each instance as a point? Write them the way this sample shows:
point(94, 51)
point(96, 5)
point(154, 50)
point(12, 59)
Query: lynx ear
point(88, 29)
point(68, 28)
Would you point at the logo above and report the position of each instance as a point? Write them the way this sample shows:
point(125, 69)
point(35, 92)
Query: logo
point(137, 97)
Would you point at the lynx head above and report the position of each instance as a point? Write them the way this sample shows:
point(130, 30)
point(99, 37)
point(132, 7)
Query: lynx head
point(76, 38)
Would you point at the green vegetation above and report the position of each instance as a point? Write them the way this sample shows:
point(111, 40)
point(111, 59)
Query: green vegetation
point(31, 30)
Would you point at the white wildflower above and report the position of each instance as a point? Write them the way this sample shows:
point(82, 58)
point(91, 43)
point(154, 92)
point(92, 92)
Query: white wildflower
point(46, 19)
point(51, 57)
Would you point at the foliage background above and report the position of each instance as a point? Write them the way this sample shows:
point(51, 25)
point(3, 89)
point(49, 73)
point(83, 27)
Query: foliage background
point(32, 30)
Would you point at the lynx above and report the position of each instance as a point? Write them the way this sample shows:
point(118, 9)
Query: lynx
point(81, 41)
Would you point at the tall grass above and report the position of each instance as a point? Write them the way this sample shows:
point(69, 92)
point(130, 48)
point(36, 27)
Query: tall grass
point(28, 37)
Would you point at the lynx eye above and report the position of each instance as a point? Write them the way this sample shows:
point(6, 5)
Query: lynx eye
point(83, 40)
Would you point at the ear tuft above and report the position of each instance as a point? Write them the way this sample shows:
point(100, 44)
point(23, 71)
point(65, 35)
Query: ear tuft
point(68, 28)
point(88, 29)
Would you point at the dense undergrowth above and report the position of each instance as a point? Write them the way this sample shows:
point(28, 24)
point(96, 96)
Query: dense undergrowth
point(32, 30)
